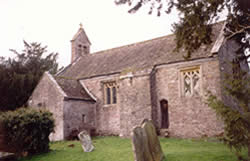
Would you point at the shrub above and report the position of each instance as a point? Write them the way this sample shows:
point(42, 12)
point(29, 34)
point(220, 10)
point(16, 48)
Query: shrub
point(27, 130)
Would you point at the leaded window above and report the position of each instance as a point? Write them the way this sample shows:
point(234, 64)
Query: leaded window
point(110, 93)
point(191, 81)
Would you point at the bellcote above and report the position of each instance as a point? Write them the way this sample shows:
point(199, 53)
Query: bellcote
point(80, 44)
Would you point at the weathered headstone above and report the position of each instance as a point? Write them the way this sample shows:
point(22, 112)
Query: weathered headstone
point(153, 141)
point(140, 145)
point(146, 144)
point(4, 156)
point(86, 141)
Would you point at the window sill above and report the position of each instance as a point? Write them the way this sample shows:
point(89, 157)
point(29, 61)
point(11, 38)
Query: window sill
point(109, 105)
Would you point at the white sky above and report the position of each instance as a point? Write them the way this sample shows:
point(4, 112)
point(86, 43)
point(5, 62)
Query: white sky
point(54, 22)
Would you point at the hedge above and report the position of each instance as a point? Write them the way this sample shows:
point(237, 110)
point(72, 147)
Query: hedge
point(27, 130)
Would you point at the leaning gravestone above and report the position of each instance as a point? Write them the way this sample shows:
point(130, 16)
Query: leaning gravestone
point(146, 144)
point(140, 145)
point(86, 141)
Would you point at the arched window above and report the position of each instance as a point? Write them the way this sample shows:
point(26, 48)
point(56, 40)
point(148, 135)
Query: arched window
point(79, 49)
point(191, 81)
point(110, 93)
point(85, 49)
point(164, 114)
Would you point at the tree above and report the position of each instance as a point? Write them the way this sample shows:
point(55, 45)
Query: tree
point(196, 18)
point(19, 76)
point(235, 110)
point(195, 29)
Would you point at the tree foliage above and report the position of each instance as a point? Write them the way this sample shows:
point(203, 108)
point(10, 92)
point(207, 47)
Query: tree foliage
point(236, 116)
point(20, 75)
point(196, 18)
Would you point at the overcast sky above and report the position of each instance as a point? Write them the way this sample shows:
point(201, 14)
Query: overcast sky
point(54, 22)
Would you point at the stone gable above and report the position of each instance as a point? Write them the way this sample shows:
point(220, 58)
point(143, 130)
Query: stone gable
point(48, 95)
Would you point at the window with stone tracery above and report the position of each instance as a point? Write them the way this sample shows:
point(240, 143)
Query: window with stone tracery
point(110, 93)
point(191, 81)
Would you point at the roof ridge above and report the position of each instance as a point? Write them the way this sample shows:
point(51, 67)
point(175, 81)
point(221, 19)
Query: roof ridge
point(132, 44)
point(144, 41)
point(137, 55)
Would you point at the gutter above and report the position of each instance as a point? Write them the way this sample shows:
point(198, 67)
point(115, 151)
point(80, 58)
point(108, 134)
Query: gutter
point(78, 99)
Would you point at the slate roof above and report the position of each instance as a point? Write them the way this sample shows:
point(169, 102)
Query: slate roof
point(136, 56)
point(73, 89)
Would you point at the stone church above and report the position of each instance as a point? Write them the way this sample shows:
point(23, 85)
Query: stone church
point(112, 91)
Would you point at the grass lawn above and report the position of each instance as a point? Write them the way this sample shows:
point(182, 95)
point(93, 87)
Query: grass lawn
point(117, 149)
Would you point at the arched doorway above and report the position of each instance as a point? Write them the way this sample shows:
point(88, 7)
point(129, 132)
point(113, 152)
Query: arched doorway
point(164, 114)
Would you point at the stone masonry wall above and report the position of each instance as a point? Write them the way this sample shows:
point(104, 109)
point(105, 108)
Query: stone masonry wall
point(135, 102)
point(85, 47)
point(47, 96)
point(107, 116)
point(189, 116)
point(73, 115)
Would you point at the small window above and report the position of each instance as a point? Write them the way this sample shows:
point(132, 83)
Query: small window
point(85, 49)
point(191, 81)
point(79, 49)
point(110, 93)
point(114, 94)
point(40, 104)
point(83, 118)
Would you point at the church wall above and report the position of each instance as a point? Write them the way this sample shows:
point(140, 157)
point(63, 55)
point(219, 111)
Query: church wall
point(189, 116)
point(135, 102)
point(46, 96)
point(107, 116)
point(78, 115)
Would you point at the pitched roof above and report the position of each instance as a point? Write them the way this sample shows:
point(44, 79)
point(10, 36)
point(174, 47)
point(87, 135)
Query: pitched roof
point(133, 57)
point(82, 33)
point(73, 89)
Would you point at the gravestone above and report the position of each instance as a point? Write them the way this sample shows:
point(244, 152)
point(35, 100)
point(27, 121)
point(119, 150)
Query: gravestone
point(140, 145)
point(4, 156)
point(146, 145)
point(85, 141)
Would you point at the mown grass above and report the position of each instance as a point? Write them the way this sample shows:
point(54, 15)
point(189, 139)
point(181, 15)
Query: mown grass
point(117, 149)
